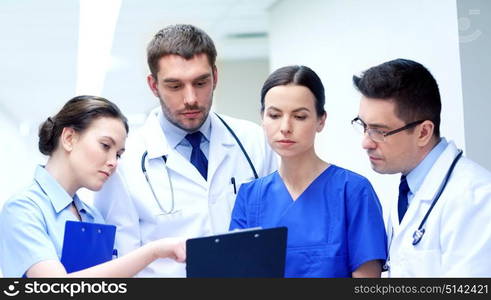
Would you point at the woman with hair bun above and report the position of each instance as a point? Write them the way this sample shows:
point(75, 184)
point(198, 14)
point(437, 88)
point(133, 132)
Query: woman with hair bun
point(84, 141)
point(333, 216)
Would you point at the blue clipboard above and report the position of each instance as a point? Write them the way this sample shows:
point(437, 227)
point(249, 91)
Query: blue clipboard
point(86, 245)
point(245, 253)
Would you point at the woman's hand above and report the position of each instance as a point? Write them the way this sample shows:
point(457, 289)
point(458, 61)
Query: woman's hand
point(173, 247)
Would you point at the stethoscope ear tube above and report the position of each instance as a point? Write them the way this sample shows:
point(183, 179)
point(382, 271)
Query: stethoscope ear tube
point(249, 161)
point(418, 234)
point(144, 170)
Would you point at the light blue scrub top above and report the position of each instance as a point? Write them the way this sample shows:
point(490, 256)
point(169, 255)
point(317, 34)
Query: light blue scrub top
point(32, 224)
point(334, 226)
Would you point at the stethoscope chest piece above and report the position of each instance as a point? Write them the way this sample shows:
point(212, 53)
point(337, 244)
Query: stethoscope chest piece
point(418, 235)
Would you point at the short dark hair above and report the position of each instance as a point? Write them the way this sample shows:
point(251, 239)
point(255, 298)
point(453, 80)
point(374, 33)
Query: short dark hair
point(409, 84)
point(78, 113)
point(181, 39)
point(297, 75)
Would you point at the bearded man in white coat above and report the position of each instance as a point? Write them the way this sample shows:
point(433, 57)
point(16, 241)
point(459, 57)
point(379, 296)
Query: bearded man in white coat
point(182, 169)
point(439, 226)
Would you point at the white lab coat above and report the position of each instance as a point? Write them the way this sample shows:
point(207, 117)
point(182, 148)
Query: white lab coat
point(457, 241)
point(202, 207)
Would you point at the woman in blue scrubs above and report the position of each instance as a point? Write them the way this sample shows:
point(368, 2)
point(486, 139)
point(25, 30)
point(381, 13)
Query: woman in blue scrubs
point(83, 142)
point(333, 216)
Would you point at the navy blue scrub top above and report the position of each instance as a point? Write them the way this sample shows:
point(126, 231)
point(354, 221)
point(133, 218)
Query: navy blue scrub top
point(334, 226)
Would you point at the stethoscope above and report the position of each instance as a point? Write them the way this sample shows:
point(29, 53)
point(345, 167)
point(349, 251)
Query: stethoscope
point(164, 158)
point(419, 233)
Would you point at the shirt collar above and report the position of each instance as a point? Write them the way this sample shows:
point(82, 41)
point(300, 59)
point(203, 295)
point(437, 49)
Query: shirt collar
point(175, 135)
point(53, 190)
point(416, 177)
point(85, 212)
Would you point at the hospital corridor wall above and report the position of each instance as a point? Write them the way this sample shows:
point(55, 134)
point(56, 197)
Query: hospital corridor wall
point(340, 39)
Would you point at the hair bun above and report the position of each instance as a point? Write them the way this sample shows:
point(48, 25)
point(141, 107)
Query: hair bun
point(46, 132)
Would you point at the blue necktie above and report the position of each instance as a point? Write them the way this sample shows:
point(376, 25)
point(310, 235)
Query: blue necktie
point(198, 158)
point(402, 203)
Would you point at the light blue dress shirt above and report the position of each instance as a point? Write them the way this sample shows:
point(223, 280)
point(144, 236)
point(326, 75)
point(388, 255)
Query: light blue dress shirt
point(416, 177)
point(32, 224)
point(176, 137)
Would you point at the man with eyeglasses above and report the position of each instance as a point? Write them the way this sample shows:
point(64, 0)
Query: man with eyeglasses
point(440, 224)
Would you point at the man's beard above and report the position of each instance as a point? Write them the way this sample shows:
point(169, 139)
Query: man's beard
point(174, 120)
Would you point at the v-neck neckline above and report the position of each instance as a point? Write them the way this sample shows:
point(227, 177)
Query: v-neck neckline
point(290, 198)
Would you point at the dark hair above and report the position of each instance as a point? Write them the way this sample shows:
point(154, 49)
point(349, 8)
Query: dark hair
point(180, 39)
point(297, 75)
point(409, 84)
point(78, 113)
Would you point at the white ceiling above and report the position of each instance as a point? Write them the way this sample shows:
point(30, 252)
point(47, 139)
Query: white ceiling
point(39, 46)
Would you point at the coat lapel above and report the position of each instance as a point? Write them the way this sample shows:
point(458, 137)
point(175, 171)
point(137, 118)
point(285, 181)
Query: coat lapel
point(221, 144)
point(157, 146)
point(423, 198)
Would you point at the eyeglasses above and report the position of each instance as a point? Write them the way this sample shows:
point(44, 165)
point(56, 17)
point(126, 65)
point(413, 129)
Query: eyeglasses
point(378, 135)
